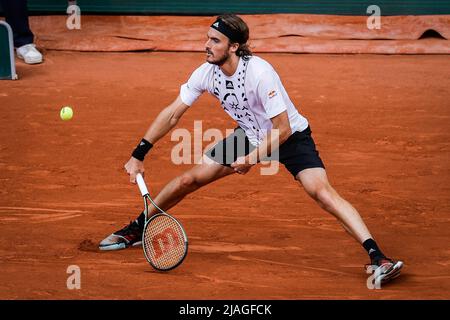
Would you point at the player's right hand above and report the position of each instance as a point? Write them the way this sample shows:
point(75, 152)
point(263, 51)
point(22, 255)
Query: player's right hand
point(133, 167)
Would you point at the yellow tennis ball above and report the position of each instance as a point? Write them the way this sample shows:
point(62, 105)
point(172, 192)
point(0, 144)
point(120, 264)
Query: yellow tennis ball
point(66, 113)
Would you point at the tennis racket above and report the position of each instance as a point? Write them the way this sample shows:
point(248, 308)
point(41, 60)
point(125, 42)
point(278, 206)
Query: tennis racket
point(164, 240)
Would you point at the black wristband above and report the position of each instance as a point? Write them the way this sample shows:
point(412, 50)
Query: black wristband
point(142, 149)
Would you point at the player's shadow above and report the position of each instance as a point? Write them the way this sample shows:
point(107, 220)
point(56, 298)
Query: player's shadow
point(400, 280)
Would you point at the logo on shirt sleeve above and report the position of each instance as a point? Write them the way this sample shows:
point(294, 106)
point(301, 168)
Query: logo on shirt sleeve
point(272, 94)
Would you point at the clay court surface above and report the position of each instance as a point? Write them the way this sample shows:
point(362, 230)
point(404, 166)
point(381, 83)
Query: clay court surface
point(381, 124)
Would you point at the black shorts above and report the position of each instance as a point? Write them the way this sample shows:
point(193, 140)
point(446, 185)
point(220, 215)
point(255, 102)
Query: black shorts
point(297, 153)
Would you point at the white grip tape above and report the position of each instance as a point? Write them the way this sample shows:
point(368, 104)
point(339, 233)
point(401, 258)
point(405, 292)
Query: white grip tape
point(141, 184)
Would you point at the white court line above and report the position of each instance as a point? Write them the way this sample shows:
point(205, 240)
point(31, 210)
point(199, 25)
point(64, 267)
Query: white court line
point(41, 216)
point(41, 209)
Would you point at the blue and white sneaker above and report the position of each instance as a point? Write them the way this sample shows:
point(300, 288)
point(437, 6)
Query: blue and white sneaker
point(385, 269)
point(129, 236)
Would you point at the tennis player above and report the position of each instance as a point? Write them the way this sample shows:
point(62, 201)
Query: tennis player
point(251, 92)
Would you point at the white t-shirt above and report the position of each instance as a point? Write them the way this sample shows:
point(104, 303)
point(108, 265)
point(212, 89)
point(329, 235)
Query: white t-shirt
point(251, 96)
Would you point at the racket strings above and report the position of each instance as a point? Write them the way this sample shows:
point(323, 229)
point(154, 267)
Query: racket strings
point(164, 242)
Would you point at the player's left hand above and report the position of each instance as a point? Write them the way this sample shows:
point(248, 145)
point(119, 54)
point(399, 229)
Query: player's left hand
point(241, 165)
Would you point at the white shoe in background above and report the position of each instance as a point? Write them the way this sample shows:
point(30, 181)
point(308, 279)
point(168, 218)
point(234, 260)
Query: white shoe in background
point(29, 54)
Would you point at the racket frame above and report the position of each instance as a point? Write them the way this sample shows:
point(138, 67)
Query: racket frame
point(146, 197)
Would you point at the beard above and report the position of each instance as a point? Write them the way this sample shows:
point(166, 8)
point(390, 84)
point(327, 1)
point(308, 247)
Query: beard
point(219, 61)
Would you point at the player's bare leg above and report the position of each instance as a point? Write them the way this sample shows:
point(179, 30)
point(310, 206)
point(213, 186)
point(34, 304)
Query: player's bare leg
point(315, 183)
point(202, 174)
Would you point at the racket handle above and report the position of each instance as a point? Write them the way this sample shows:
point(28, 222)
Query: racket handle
point(141, 184)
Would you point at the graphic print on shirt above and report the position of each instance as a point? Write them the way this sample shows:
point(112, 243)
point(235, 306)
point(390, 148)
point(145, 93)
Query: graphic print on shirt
point(232, 97)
